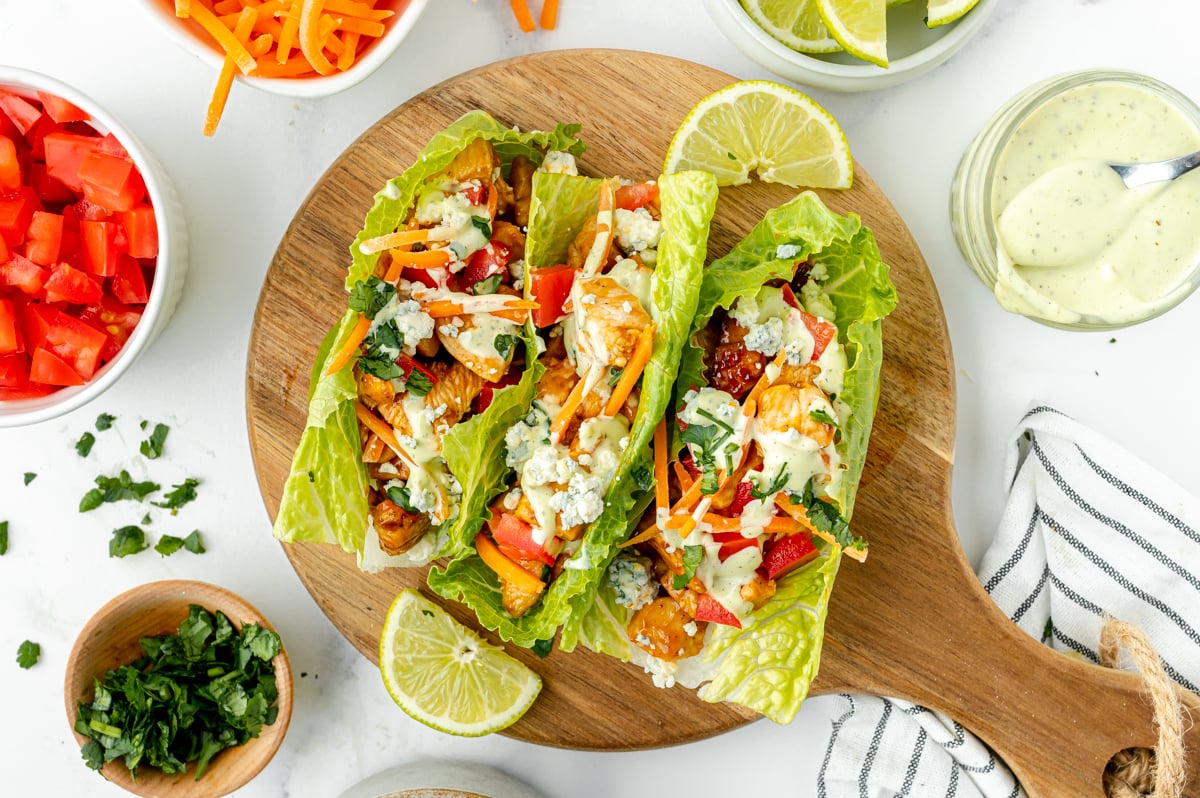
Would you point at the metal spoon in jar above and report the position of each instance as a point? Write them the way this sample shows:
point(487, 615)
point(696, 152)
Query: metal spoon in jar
point(1139, 174)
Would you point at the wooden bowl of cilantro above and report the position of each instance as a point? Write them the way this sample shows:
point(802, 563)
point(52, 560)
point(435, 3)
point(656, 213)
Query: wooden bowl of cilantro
point(178, 688)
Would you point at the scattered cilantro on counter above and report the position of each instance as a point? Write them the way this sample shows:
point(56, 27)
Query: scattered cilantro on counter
point(152, 447)
point(182, 494)
point(113, 489)
point(218, 689)
point(29, 477)
point(3, 538)
point(169, 544)
point(28, 653)
point(84, 445)
point(104, 421)
point(127, 540)
point(146, 519)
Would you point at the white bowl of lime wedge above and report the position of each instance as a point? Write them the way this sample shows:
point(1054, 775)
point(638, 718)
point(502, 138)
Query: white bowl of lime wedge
point(773, 33)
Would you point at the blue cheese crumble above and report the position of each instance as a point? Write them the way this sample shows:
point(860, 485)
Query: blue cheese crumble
point(632, 581)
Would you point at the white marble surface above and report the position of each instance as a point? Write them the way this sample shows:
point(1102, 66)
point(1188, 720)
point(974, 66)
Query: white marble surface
point(240, 191)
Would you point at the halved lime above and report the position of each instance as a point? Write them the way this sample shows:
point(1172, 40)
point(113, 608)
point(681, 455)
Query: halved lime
point(943, 12)
point(796, 23)
point(762, 126)
point(448, 677)
point(858, 25)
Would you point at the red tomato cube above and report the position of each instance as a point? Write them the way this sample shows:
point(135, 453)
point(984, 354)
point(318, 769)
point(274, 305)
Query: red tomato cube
point(10, 167)
point(141, 231)
point(73, 286)
point(61, 110)
point(100, 251)
point(64, 153)
point(51, 370)
point(20, 272)
point(44, 237)
point(16, 212)
point(110, 181)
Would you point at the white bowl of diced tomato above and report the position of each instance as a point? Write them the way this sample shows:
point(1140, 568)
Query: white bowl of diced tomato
point(93, 248)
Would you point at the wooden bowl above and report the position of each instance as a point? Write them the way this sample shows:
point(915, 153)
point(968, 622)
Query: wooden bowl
point(110, 639)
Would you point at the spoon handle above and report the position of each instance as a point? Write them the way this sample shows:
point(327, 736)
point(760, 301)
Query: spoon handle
point(1139, 174)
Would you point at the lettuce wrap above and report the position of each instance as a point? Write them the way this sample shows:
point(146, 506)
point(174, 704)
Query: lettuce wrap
point(562, 205)
point(769, 663)
point(325, 497)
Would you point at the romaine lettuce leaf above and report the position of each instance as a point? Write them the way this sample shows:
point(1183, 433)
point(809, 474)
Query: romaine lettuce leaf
point(325, 496)
point(687, 201)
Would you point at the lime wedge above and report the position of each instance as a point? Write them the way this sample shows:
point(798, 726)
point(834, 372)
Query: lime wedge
point(860, 26)
point(766, 127)
point(796, 23)
point(942, 12)
point(448, 677)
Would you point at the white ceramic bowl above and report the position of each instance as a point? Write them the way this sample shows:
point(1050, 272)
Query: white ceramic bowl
point(396, 29)
point(913, 49)
point(170, 269)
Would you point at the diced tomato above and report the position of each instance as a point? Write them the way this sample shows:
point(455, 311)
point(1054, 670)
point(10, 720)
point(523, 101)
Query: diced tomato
point(742, 497)
point(9, 334)
point(61, 110)
point(44, 237)
point(787, 554)
point(731, 548)
point(129, 284)
point(635, 196)
point(550, 288)
point(484, 263)
point(76, 342)
point(114, 318)
point(111, 181)
point(822, 332)
point(36, 137)
point(52, 370)
point(484, 400)
point(22, 113)
point(709, 609)
point(20, 272)
point(87, 210)
point(32, 390)
point(472, 194)
point(36, 324)
point(110, 145)
point(10, 167)
point(16, 211)
point(14, 370)
point(789, 296)
point(141, 231)
point(64, 154)
point(409, 365)
point(422, 276)
point(100, 252)
point(51, 190)
point(73, 286)
point(513, 533)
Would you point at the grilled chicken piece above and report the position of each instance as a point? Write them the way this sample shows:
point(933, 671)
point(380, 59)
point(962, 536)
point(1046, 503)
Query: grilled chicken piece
point(456, 387)
point(476, 161)
point(510, 236)
point(374, 391)
point(787, 407)
point(517, 602)
point(398, 529)
point(758, 591)
point(520, 176)
point(489, 366)
point(657, 628)
point(610, 320)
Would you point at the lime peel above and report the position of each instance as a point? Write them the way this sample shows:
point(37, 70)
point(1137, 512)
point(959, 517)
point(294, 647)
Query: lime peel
point(795, 23)
point(860, 26)
point(943, 12)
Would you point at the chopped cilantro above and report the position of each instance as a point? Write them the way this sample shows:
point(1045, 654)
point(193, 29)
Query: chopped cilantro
point(826, 517)
point(417, 383)
point(705, 440)
point(83, 446)
point(152, 447)
point(401, 497)
point(193, 543)
point(731, 156)
point(312, 477)
point(821, 415)
point(423, 612)
point(104, 421)
point(380, 365)
point(182, 494)
point(643, 477)
point(504, 344)
point(30, 477)
point(143, 424)
point(146, 519)
point(776, 485)
point(127, 540)
point(169, 544)
point(3, 538)
point(488, 285)
point(113, 489)
point(28, 653)
point(692, 557)
point(614, 376)
point(482, 225)
point(370, 295)
point(540, 647)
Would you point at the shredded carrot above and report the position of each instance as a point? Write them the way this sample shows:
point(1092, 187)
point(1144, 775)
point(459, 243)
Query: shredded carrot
point(662, 496)
point(227, 7)
point(311, 38)
point(682, 476)
point(687, 500)
point(549, 17)
point(855, 554)
point(291, 27)
point(686, 528)
point(225, 38)
point(350, 347)
point(605, 221)
point(373, 451)
point(360, 10)
point(183, 8)
point(567, 412)
point(441, 308)
point(641, 537)
point(633, 369)
point(245, 24)
point(377, 425)
point(796, 511)
point(783, 525)
point(295, 67)
point(524, 18)
point(390, 240)
point(505, 568)
point(346, 56)
point(721, 523)
point(424, 260)
point(365, 27)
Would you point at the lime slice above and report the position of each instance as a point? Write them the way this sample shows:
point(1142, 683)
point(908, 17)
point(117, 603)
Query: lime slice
point(762, 126)
point(943, 12)
point(860, 26)
point(448, 677)
point(796, 23)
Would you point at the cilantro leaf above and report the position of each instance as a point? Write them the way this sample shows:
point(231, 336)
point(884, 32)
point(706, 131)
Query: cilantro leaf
point(369, 296)
point(821, 415)
point(152, 447)
point(614, 376)
point(3, 538)
point(643, 477)
point(146, 519)
point(28, 653)
point(193, 543)
point(417, 383)
point(168, 545)
point(543, 647)
point(705, 440)
point(482, 225)
point(826, 517)
point(83, 447)
point(127, 540)
point(182, 494)
point(401, 497)
point(30, 477)
point(504, 344)
point(113, 489)
point(777, 484)
point(104, 421)
point(488, 285)
point(692, 557)
point(380, 365)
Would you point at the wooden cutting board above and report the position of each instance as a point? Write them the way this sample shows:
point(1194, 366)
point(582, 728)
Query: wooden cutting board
point(913, 621)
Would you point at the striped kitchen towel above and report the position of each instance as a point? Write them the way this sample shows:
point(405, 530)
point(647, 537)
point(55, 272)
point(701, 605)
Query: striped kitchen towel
point(1088, 529)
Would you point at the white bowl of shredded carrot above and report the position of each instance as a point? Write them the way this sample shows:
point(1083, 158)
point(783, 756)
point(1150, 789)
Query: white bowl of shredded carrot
point(299, 48)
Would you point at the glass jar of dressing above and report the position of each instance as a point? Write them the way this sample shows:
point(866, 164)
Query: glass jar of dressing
point(1052, 231)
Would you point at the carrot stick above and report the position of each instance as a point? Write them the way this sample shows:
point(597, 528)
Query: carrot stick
point(633, 370)
point(347, 56)
point(721, 523)
point(524, 18)
point(353, 9)
point(682, 476)
point(549, 17)
point(441, 308)
point(662, 496)
point(856, 554)
point(350, 347)
point(425, 259)
point(687, 500)
point(223, 7)
point(310, 34)
point(505, 568)
point(364, 26)
point(390, 240)
point(296, 66)
point(225, 38)
point(641, 537)
point(563, 419)
point(783, 525)
point(795, 511)
point(216, 107)
point(183, 8)
point(291, 26)
point(377, 425)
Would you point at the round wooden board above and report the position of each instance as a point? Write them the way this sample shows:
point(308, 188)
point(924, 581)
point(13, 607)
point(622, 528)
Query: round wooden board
point(912, 621)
